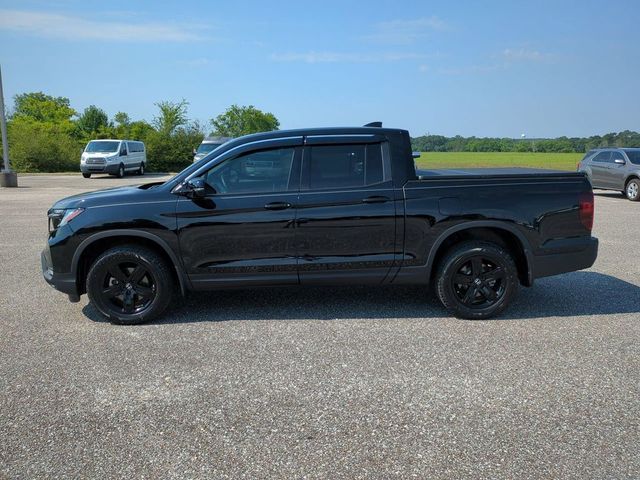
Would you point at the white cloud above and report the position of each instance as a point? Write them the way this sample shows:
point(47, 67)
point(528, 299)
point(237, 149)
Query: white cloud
point(45, 24)
point(341, 57)
point(523, 54)
point(405, 32)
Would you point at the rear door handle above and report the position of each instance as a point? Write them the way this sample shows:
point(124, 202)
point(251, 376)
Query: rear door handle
point(277, 206)
point(375, 199)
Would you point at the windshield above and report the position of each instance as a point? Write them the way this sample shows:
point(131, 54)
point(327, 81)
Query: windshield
point(207, 147)
point(102, 147)
point(634, 156)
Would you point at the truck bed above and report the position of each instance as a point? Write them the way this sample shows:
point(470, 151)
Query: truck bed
point(491, 172)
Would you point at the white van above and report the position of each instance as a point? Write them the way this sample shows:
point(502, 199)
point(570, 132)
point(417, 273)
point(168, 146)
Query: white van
point(208, 145)
point(115, 157)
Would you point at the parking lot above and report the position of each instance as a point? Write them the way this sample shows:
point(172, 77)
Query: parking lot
point(320, 383)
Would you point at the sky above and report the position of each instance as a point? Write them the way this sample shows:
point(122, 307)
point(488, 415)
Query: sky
point(491, 68)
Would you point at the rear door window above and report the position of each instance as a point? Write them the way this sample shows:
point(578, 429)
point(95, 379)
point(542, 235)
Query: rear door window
point(344, 166)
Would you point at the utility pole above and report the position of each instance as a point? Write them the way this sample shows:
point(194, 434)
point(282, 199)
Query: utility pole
point(7, 177)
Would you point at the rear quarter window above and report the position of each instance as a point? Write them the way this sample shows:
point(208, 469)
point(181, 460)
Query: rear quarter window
point(634, 156)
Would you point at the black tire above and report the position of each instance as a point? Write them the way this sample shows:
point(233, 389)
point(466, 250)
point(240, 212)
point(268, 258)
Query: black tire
point(86, 175)
point(491, 284)
point(632, 190)
point(141, 169)
point(120, 173)
point(130, 284)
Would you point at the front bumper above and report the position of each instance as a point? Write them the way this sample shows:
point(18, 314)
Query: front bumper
point(565, 255)
point(110, 168)
point(63, 282)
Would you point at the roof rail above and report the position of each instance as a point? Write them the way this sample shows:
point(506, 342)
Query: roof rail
point(374, 124)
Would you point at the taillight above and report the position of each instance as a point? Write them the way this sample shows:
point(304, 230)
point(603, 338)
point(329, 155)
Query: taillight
point(586, 210)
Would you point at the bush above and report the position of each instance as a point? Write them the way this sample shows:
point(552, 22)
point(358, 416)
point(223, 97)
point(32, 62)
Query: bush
point(42, 147)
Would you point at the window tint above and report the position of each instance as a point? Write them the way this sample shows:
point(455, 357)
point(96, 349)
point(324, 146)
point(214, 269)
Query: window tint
point(634, 156)
point(123, 148)
point(135, 147)
point(255, 172)
point(336, 166)
point(602, 157)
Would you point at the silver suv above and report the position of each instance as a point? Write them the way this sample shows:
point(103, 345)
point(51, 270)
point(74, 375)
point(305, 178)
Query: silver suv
point(614, 169)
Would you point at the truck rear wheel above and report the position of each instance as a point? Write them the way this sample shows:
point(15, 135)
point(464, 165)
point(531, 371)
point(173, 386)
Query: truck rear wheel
point(476, 280)
point(130, 284)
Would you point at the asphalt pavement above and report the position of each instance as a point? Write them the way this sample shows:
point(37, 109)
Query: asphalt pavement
point(319, 383)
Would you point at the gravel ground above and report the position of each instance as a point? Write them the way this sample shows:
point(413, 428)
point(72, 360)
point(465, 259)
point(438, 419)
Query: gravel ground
point(320, 383)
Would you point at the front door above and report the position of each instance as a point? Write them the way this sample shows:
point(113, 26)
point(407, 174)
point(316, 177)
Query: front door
point(600, 169)
point(617, 171)
point(242, 231)
point(346, 213)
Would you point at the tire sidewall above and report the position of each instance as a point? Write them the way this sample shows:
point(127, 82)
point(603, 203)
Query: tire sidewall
point(626, 190)
point(98, 271)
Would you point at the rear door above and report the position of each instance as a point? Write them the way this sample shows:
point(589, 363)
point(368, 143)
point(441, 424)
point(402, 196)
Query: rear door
point(346, 211)
point(600, 169)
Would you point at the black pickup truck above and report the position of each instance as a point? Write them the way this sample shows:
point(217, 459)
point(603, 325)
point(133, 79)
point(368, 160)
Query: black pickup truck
point(320, 207)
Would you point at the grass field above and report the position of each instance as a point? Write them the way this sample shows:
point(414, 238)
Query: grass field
point(556, 161)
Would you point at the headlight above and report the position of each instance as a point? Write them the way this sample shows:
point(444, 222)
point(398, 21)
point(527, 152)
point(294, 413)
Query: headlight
point(59, 217)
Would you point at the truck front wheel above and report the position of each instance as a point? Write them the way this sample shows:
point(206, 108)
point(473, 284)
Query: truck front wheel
point(476, 280)
point(130, 284)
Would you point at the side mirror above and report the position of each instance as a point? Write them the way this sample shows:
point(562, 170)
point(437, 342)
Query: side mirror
point(619, 161)
point(194, 151)
point(194, 188)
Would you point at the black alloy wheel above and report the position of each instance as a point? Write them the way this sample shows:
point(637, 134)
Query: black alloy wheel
point(479, 282)
point(128, 287)
point(130, 284)
point(476, 280)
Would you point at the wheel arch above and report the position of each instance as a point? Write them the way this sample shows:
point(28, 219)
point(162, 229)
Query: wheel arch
point(91, 247)
point(501, 233)
point(631, 176)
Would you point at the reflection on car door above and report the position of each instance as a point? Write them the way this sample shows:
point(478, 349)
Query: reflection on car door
point(346, 212)
point(242, 231)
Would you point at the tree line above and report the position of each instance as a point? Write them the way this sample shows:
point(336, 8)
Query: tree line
point(45, 134)
point(439, 143)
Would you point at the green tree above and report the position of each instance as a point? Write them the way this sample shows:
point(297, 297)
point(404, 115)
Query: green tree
point(122, 119)
point(92, 120)
point(237, 121)
point(42, 108)
point(172, 115)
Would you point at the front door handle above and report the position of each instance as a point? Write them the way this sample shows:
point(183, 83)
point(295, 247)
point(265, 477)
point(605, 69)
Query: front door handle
point(277, 206)
point(375, 199)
